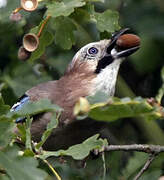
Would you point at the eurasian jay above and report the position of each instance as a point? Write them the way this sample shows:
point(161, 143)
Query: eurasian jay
point(94, 68)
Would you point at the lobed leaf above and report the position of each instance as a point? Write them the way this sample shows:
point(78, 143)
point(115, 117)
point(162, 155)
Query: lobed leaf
point(106, 21)
point(78, 151)
point(64, 8)
point(64, 28)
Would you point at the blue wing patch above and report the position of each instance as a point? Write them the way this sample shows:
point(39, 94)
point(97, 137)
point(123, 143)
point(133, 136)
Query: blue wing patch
point(16, 107)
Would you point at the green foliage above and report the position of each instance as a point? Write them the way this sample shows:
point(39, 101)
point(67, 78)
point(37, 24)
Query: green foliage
point(3, 108)
point(62, 21)
point(45, 40)
point(123, 108)
point(6, 124)
point(76, 23)
point(32, 108)
point(28, 133)
point(24, 76)
point(161, 90)
point(50, 126)
point(64, 8)
point(136, 162)
point(107, 21)
point(6, 129)
point(79, 151)
point(19, 167)
point(64, 38)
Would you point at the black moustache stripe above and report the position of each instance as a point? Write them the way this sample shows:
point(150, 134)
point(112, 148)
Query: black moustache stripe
point(105, 61)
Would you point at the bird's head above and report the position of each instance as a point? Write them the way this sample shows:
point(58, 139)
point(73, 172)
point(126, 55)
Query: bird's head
point(102, 59)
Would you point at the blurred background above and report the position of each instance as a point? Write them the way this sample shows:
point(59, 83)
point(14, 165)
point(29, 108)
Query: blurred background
point(140, 75)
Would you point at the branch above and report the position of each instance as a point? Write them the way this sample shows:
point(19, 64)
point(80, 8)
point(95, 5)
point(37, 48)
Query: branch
point(151, 149)
point(146, 166)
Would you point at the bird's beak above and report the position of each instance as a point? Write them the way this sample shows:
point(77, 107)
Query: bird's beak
point(120, 53)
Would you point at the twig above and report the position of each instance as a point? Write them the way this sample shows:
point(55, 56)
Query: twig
point(146, 166)
point(43, 25)
point(52, 169)
point(104, 166)
point(17, 10)
point(151, 149)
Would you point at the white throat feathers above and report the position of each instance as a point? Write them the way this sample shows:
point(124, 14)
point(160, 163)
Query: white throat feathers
point(106, 80)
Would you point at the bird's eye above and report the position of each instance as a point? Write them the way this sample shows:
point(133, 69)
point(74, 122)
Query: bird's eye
point(92, 50)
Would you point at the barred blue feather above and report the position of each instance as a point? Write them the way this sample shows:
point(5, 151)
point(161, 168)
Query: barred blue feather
point(16, 107)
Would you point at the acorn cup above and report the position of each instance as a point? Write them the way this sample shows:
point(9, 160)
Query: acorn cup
point(30, 42)
point(29, 5)
point(23, 54)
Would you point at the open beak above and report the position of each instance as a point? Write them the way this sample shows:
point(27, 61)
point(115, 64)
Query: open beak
point(120, 53)
point(114, 52)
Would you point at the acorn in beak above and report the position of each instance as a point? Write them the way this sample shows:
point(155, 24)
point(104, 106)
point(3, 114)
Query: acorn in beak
point(122, 44)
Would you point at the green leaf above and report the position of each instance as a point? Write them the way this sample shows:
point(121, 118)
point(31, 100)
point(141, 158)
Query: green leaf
point(134, 164)
point(3, 108)
point(22, 132)
point(81, 16)
point(45, 40)
point(122, 108)
point(137, 161)
point(6, 124)
point(79, 151)
point(19, 167)
point(106, 21)
point(64, 32)
point(161, 90)
point(22, 78)
point(6, 131)
point(4, 177)
point(64, 8)
point(50, 126)
point(32, 108)
point(151, 175)
point(28, 133)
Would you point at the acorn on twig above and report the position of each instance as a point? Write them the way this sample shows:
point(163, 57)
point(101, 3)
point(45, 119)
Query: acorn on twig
point(30, 42)
point(23, 54)
point(15, 17)
point(29, 5)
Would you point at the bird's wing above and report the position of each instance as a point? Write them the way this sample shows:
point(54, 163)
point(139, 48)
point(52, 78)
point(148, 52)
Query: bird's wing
point(17, 106)
point(36, 93)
